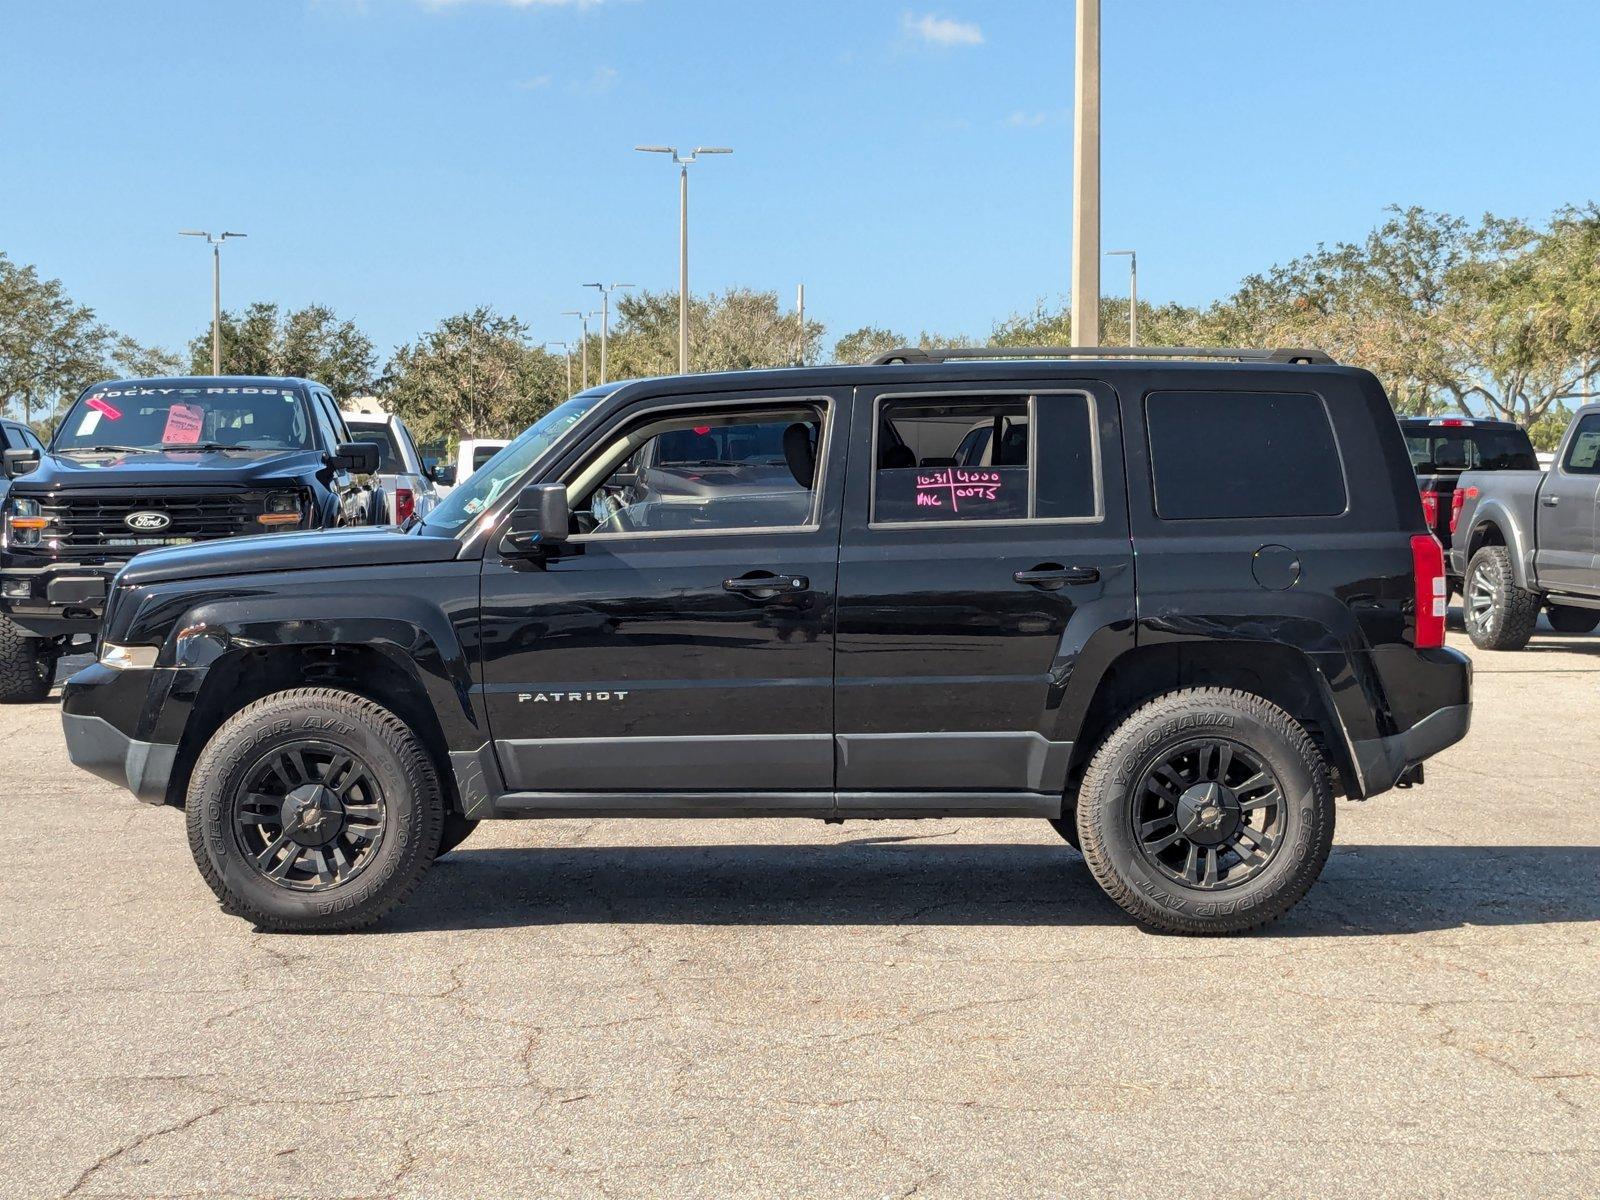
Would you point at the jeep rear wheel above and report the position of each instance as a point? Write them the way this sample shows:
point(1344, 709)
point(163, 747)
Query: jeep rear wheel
point(1499, 615)
point(27, 665)
point(313, 811)
point(1206, 811)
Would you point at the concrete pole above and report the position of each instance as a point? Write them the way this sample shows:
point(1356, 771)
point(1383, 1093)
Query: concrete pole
point(1086, 179)
point(683, 269)
point(216, 307)
point(800, 321)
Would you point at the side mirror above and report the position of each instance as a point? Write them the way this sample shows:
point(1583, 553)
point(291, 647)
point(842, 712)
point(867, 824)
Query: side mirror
point(359, 458)
point(20, 462)
point(542, 517)
point(445, 474)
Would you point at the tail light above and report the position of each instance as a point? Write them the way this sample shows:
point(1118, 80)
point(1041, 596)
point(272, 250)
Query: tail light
point(1432, 592)
point(1457, 501)
point(405, 503)
point(1430, 508)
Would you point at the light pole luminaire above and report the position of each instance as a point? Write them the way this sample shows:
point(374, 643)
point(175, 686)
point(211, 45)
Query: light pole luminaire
point(605, 318)
point(1133, 293)
point(566, 351)
point(583, 340)
point(216, 289)
point(683, 237)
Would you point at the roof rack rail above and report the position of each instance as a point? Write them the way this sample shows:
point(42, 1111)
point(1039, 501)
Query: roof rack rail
point(915, 354)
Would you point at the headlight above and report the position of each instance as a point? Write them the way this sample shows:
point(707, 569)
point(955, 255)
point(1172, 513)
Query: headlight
point(26, 522)
point(282, 508)
point(123, 658)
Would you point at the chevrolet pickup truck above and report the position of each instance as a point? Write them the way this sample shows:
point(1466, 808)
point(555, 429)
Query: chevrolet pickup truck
point(1526, 540)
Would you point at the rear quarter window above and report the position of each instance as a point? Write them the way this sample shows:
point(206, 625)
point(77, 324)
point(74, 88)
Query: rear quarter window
point(1230, 455)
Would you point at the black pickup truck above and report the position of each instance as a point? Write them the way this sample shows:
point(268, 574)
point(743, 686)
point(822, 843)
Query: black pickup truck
point(1442, 448)
point(141, 463)
point(1083, 586)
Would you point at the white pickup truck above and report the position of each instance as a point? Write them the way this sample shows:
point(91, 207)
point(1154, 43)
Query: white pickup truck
point(1528, 540)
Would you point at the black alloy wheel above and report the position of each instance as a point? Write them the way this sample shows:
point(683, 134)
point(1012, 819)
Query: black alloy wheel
point(1208, 814)
point(309, 816)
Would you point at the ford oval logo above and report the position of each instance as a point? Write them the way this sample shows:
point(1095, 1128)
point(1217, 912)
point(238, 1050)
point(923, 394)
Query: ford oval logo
point(148, 521)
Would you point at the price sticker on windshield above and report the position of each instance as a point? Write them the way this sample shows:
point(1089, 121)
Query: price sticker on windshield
point(184, 423)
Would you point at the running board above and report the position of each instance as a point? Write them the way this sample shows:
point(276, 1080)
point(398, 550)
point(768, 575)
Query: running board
point(823, 805)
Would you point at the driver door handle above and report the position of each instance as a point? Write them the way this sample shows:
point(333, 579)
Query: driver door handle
point(1550, 501)
point(1051, 577)
point(767, 584)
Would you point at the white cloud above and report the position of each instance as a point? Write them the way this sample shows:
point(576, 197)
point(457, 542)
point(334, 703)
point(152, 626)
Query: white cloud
point(513, 3)
point(1024, 118)
point(601, 81)
point(941, 31)
point(536, 84)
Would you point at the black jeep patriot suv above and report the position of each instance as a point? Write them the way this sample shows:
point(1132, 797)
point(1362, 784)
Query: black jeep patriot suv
point(1172, 605)
point(138, 463)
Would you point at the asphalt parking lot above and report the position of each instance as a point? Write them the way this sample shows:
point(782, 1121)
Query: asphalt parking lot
point(629, 1008)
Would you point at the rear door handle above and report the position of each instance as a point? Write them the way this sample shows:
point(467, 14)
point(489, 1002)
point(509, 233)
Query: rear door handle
point(1051, 577)
point(1549, 501)
point(766, 584)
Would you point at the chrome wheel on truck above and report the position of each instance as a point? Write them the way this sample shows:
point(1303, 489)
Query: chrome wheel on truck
point(1499, 615)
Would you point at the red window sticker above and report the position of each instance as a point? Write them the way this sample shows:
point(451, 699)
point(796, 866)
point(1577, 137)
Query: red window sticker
point(100, 406)
point(702, 430)
point(184, 422)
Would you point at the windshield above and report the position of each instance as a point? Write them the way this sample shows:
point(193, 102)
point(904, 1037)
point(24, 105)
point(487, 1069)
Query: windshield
point(492, 480)
point(1469, 448)
point(124, 419)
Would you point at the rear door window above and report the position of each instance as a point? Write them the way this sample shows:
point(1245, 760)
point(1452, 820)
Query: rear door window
point(962, 460)
point(1228, 455)
point(381, 436)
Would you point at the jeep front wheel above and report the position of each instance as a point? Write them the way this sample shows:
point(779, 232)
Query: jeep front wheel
point(1499, 615)
point(313, 811)
point(1206, 811)
point(27, 665)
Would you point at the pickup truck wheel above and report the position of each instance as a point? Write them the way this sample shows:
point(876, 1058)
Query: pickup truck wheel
point(457, 829)
point(1499, 615)
point(313, 811)
point(27, 665)
point(1565, 619)
point(1206, 811)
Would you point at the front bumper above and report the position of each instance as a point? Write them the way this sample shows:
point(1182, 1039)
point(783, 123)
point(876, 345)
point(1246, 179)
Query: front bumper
point(57, 598)
point(99, 747)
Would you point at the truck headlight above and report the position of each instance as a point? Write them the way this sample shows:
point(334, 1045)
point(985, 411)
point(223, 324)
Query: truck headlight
point(125, 658)
point(282, 508)
point(26, 522)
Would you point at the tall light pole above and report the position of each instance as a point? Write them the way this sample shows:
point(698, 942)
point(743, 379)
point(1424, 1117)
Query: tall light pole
point(1133, 294)
point(1086, 179)
point(216, 289)
point(605, 318)
point(683, 237)
point(566, 350)
point(583, 340)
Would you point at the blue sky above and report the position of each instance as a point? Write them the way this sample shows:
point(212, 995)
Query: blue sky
point(403, 159)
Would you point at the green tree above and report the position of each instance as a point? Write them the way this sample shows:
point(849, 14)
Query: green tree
point(50, 346)
point(310, 342)
point(734, 330)
point(472, 375)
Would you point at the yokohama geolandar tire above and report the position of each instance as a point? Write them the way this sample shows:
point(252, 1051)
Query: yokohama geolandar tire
point(1206, 811)
point(1566, 619)
point(1499, 615)
point(26, 670)
point(313, 811)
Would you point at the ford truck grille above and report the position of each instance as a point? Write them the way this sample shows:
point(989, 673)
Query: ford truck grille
point(115, 525)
